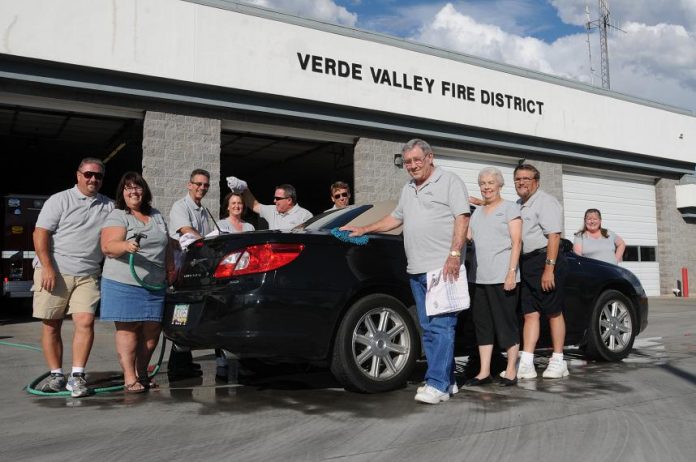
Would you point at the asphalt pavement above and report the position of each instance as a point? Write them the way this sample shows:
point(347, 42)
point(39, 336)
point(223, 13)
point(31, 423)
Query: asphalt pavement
point(640, 409)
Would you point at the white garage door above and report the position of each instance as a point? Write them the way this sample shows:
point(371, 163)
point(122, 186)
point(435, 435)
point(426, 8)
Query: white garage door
point(468, 171)
point(628, 209)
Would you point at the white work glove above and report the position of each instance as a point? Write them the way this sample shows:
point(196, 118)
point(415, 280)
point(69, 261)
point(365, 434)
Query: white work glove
point(236, 185)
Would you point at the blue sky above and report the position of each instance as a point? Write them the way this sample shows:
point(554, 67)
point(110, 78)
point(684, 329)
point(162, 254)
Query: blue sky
point(654, 57)
point(537, 18)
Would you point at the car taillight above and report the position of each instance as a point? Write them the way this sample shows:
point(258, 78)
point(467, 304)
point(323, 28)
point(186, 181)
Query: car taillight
point(257, 259)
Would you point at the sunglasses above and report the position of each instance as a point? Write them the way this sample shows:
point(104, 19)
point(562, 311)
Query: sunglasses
point(339, 195)
point(89, 175)
point(201, 185)
point(276, 198)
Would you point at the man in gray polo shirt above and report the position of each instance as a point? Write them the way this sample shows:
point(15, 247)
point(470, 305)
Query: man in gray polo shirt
point(434, 210)
point(544, 271)
point(188, 216)
point(66, 272)
point(285, 214)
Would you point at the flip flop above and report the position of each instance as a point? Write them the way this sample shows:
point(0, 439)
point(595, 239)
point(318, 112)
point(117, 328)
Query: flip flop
point(135, 387)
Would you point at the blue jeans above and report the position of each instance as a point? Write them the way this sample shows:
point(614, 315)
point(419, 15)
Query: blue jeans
point(438, 338)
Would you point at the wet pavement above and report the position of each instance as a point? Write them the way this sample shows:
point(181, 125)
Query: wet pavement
point(643, 408)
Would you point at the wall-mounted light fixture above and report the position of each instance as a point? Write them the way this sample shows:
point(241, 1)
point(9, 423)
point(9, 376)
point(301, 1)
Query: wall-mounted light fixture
point(398, 161)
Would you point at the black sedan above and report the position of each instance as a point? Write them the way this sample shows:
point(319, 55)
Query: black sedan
point(307, 296)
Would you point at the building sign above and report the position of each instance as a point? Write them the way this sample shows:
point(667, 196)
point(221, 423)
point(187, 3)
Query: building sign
point(192, 42)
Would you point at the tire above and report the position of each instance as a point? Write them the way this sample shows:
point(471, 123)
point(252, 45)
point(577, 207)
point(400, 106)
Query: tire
point(376, 345)
point(613, 327)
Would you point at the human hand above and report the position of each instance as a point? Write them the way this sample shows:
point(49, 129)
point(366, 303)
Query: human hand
point(451, 269)
point(510, 283)
point(548, 280)
point(355, 231)
point(132, 246)
point(48, 279)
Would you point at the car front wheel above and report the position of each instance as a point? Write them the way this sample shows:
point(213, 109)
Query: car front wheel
point(376, 345)
point(613, 327)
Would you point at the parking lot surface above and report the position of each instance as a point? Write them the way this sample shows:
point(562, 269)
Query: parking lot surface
point(641, 409)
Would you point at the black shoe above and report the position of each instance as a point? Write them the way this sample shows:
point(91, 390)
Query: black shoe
point(183, 373)
point(478, 382)
point(222, 374)
point(505, 382)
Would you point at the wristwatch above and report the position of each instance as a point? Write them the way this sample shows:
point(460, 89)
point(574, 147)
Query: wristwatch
point(550, 262)
point(455, 253)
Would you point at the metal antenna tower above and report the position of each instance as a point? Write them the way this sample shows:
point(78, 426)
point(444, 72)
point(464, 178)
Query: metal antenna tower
point(603, 24)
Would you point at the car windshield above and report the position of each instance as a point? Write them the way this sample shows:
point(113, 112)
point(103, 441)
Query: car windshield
point(333, 218)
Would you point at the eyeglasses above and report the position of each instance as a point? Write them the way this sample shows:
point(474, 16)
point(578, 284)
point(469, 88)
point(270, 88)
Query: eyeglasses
point(524, 179)
point(134, 188)
point(339, 195)
point(416, 161)
point(89, 175)
point(201, 185)
point(277, 198)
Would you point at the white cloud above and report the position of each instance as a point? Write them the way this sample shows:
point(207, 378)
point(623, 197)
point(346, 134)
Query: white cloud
point(655, 61)
point(323, 10)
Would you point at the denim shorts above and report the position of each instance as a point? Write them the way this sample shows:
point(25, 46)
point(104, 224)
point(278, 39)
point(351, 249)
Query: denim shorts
point(128, 303)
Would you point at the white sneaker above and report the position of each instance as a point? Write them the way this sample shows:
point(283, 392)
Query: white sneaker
point(453, 389)
point(526, 371)
point(556, 370)
point(431, 395)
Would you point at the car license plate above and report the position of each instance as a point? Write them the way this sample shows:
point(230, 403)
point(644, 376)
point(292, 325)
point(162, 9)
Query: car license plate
point(180, 316)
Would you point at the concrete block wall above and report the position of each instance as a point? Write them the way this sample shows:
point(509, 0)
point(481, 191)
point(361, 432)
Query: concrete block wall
point(173, 146)
point(676, 239)
point(376, 177)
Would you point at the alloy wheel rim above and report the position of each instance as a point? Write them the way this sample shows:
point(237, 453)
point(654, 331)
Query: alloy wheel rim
point(381, 344)
point(615, 326)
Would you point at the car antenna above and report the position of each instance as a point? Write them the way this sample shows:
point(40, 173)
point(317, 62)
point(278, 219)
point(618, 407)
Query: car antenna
point(214, 221)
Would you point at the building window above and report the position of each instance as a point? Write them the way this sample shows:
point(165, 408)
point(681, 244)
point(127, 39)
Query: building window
point(639, 253)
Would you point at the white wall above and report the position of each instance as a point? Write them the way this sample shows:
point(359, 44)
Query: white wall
point(190, 42)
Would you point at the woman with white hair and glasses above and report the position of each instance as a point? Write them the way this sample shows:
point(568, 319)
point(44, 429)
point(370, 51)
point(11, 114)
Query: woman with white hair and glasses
point(496, 230)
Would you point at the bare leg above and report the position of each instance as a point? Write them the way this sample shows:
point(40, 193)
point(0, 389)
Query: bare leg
point(558, 331)
point(485, 353)
point(146, 345)
point(52, 342)
point(511, 370)
point(83, 338)
point(530, 332)
point(126, 346)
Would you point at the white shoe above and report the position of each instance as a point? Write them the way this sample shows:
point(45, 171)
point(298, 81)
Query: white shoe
point(556, 370)
point(453, 389)
point(526, 371)
point(431, 395)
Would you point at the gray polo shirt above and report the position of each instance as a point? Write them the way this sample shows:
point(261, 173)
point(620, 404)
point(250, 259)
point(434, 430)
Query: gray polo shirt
point(149, 261)
point(288, 220)
point(226, 227)
point(75, 221)
point(603, 248)
point(185, 212)
point(541, 215)
point(492, 243)
point(428, 216)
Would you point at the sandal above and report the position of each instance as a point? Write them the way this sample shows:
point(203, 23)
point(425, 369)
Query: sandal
point(135, 387)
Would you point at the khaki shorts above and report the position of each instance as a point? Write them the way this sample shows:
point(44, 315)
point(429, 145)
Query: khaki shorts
point(77, 294)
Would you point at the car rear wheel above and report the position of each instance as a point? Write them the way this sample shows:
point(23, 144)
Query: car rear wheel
point(613, 327)
point(376, 345)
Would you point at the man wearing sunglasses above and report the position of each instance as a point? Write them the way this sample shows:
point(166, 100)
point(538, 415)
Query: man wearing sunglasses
point(66, 273)
point(340, 195)
point(284, 214)
point(188, 216)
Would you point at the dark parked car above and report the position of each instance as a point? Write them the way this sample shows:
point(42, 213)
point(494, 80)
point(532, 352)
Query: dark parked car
point(304, 295)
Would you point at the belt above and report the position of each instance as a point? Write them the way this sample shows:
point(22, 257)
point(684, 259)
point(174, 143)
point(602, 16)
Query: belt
point(534, 253)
